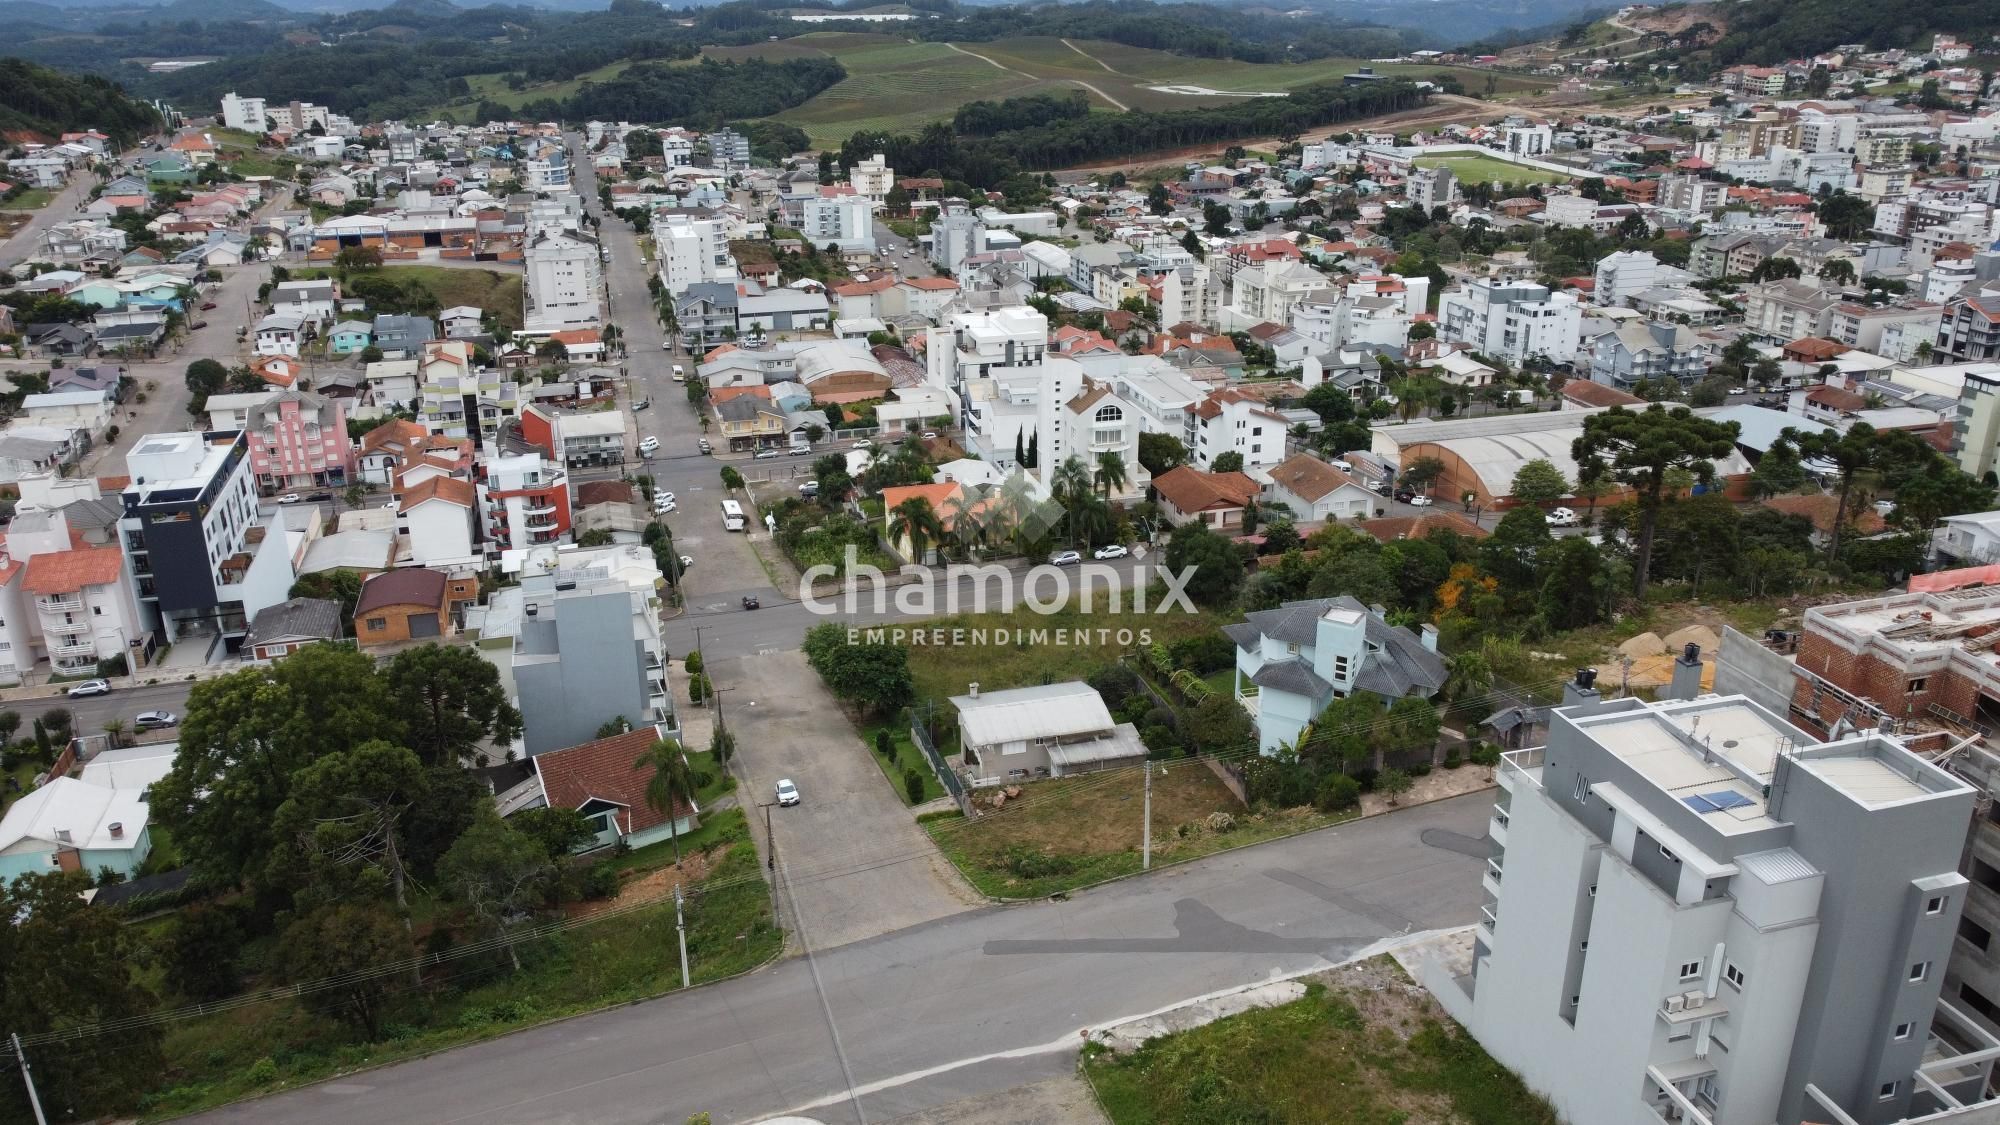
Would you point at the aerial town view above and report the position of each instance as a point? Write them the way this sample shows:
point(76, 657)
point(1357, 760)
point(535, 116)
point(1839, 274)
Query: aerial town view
point(1387, 562)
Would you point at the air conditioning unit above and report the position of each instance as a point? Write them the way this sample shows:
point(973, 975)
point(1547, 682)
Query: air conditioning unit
point(1676, 1002)
point(1696, 1000)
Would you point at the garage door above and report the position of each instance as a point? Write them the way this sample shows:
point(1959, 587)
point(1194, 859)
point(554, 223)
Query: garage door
point(423, 625)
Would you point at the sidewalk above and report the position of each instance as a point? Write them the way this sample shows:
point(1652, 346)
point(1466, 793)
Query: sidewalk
point(147, 677)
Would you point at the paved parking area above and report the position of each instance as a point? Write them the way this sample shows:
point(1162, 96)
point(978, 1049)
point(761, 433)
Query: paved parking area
point(858, 865)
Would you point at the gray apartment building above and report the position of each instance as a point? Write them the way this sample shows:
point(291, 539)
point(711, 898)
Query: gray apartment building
point(1697, 913)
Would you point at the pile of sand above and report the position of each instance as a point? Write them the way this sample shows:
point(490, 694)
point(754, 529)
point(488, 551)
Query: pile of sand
point(1645, 644)
point(1694, 634)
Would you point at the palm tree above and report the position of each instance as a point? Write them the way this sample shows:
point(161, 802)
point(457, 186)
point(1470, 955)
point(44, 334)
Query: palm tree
point(1090, 522)
point(1070, 482)
point(114, 730)
point(1111, 474)
point(915, 521)
point(672, 784)
point(1467, 675)
point(971, 527)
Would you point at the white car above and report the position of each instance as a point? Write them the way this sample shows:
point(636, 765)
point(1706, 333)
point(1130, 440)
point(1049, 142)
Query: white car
point(1065, 558)
point(863, 443)
point(1343, 466)
point(91, 687)
point(1420, 501)
point(290, 498)
point(649, 444)
point(767, 454)
point(661, 508)
point(930, 435)
point(788, 794)
point(1111, 551)
point(1562, 517)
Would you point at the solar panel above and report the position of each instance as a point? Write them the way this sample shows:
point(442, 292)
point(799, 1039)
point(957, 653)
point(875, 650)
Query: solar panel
point(1717, 801)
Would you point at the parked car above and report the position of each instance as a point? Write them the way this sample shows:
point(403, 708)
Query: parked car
point(1343, 465)
point(767, 454)
point(809, 488)
point(197, 326)
point(1065, 558)
point(863, 443)
point(1562, 517)
point(207, 305)
point(1405, 495)
point(749, 601)
point(706, 447)
point(930, 435)
point(687, 562)
point(648, 444)
point(802, 451)
point(154, 720)
point(663, 496)
point(642, 404)
point(1420, 501)
point(318, 497)
point(1111, 551)
point(788, 794)
point(290, 498)
point(90, 687)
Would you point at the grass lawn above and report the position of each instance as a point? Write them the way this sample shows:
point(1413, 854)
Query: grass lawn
point(487, 289)
point(907, 756)
point(34, 199)
point(1073, 831)
point(610, 960)
point(1487, 169)
point(1364, 1046)
point(943, 671)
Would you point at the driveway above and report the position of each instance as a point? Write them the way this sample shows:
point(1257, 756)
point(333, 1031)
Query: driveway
point(854, 860)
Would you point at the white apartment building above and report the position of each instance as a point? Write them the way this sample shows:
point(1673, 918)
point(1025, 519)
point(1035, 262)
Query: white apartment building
point(692, 250)
point(1268, 291)
point(1691, 194)
point(546, 173)
point(1697, 913)
point(77, 602)
point(872, 178)
point(845, 219)
point(1428, 188)
point(1828, 132)
point(1624, 274)
point(245, 114)
point(520, 501)
point(1235, 421)
point(1513, 321)
point(957, 234)
point(676, 148)
point(564, 284)
point(1529, 140)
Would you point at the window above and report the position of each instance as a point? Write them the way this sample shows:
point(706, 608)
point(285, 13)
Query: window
point(1975, 933)
point(1582, 788)
point(1888, 1090)
point(98, 611)
point(1583, 946)
point(1733, 975)
point(1593, 890)
point(377, 624)
point(1920, 971)
point(1917, 684)
point(1903, 1031)
point(1690, 970)
point(1935, 905)
point(1667, 854)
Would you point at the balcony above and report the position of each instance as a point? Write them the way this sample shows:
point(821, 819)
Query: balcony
point(72, 644)
point(1518, 767)
point(1497, 826)
point(540, 523)
point(1489, 921)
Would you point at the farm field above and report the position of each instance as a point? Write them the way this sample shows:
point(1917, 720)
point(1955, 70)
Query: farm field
point(1486, 169)
point(493, 87)
point(897, 85)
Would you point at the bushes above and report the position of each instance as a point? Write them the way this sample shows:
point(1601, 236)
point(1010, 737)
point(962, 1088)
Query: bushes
point(885, 745)
point(1024, 862)
point(600, 881)
point(1484, 754)
point(1210, 652)
point(694, 664)
point(1337, 793)
point(913, 785)
point(698, 688)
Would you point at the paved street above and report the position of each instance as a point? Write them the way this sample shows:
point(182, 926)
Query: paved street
point(62, 207)
point(848, 821)
point(925, 1015)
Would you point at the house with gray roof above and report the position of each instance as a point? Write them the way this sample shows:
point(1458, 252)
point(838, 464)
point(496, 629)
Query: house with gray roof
point(401, 337)
point(1292, 661)
point(279, 630)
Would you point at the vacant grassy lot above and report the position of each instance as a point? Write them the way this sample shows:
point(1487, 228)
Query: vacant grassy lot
point(1365, 1046)
point(487, 289)
point(610, 960)
point(1486, 169)
point(1073, 831)
point(906, 756)
point(945, 670)
point(894, 84)
point(34, 199)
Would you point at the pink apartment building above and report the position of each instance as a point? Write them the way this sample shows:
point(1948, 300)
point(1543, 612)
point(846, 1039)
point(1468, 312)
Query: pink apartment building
point(299, 440)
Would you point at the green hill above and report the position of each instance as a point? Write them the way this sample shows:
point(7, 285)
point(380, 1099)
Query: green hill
point(36, 99)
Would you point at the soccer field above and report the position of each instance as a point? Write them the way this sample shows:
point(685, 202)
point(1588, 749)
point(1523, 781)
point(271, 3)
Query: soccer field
point(1487, 169)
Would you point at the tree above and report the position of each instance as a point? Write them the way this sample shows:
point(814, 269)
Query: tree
point(1640, 450)
point(595, 537)
point(1862, 450)
point(205, 377)
point(670, 787)
point(1229, 461)
point(67, 964)
point(1847, 217)
point(1218, 725)
point(1217, 567)
point(371, 354)
point(1421, 473)
point(202, 951)
point(355, 495)
point(345, 820)
point(349, 942)
point(1157, 200)
point(915, 522)
point(1775, 269)
point(913, 785)
point(497, 874)
point(1940, 490)
point(1540, 482)
point(1110, 473)
point(1576, 587)
point(558, 832)
point(872, 675)
point(1394, 783)
point(731, 479)
point(450, 701)
point(1467, 676)
point(1837, 271)
point(247, 734)
point(1779, 472)
point(1160, 452)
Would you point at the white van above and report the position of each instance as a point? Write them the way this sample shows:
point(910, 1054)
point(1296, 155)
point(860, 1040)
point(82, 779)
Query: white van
point(680, 374)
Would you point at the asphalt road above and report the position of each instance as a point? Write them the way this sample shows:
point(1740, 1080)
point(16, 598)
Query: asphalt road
point(61, 208)
point(965, 1006)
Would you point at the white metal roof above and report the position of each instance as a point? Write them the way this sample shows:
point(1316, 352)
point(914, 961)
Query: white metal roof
point(134, 768)
point(85, 813)
point(1022, 714)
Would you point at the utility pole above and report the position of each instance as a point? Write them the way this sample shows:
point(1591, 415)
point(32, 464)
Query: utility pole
point(770, 843)
point(1146, 848)
point(680, 928)
point(34, 1099)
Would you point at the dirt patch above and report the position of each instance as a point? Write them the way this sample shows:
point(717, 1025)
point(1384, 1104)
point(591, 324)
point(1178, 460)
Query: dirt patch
point(1059, 1101)
point(1436, 785)
point(650, 887)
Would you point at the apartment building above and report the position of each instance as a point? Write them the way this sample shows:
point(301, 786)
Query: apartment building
point(527, 503)
point(1969, 327)
point(872, 178)
point(841, 217)
point(299, 440)
point(1232, 420)
point(564, 285)
point(1783, 311)
point(1691, 194)
point(1429, 188)
point(66, 596)
point(1978, 419)
point(957, 234)
point(1697, 913)
point(1512, 320)
point(1623, 275)
point(455, 399)
point(1267, 292)
point(245, 114)
point(204, 563)
point(692, 249)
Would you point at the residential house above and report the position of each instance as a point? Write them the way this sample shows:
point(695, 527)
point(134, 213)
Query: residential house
point(281, 334)
point(1298, 658)
point(601, 780)
point(750, 423)
point(75, 826)
point(402, 337)
point(1651, 351)
point(311, 301)
point(462, 322)
point(438, 517)
point(944, 499)
point(1233, 420)
point(412, 604)
point(1052, 730)
point(1186, 495)
point(1316, 491)
point(350, 336)
point(280, 630)
point(77, 594)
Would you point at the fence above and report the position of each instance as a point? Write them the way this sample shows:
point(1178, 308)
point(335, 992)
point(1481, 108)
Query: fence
point(946, 776)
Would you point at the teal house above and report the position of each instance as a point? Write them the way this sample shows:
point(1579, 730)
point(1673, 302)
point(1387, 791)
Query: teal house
point(350, 336)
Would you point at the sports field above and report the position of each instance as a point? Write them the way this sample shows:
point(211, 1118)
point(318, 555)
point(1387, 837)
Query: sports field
point(1487, 169)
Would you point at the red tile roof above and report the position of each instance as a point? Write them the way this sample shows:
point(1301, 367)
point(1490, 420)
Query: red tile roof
point(604, 771)
point(1189, 489)
point(414, 586)
point(1583, 392)
point(576, 336)
point(67, 572)
point(1819, 509)
point(1388, 529)
point(603, 492)
point(451, 490)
